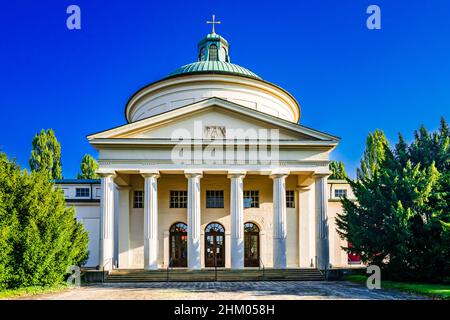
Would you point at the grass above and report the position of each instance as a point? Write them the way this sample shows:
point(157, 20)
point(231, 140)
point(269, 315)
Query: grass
point(440, 291)
point(29, 291)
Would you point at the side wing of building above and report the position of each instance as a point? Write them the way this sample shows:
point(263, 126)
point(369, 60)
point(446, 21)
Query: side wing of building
point(84, 196)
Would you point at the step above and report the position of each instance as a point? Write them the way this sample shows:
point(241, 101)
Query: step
point(139, 275)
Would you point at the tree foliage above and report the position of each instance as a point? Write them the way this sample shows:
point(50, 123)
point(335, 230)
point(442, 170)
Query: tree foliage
point(401, 219)
point(88, 168)
point(374, 154)
point(39, 237)
point(46, 154)
point(337, 170)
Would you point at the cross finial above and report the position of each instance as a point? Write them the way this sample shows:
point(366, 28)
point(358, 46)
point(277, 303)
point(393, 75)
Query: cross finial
point(213, 22)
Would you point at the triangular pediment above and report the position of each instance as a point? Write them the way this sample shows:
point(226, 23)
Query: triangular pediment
point(212, 116)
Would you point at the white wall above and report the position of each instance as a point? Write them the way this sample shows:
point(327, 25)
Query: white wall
point(182, 91)
point(70, 191)
point(89, 215)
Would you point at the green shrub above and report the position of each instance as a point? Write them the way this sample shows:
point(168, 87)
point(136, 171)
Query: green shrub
point(39, 237)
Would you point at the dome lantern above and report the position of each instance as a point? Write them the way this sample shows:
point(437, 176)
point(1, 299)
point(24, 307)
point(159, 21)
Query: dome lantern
point(212, 75)
point(213, 47)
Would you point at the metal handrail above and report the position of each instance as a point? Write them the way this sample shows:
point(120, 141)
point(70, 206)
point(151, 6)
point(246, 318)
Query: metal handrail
point(263, 267)
point(168, 268)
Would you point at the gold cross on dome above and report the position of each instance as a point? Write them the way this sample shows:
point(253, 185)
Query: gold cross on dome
point(213, 22)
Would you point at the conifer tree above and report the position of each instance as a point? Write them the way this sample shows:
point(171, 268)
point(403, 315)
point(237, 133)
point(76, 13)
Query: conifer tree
point(401, 219)
point(39, 236)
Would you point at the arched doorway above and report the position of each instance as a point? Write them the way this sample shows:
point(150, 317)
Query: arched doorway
point(214, 245)
point(178, 244)
point(251, 245)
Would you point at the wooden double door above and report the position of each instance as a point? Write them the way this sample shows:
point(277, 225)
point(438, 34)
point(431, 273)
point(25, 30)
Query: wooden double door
point(214, 245)
point(251, 245)
point(178, 245)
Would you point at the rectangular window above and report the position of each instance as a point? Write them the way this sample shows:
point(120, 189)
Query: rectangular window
point(138, 199)
point(178, 199)
point(251, 199)
point(82, 192)
point(214, 198)
point(340, 193)
point(290, 199)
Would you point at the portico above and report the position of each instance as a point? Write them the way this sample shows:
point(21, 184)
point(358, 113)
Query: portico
point(275, 240)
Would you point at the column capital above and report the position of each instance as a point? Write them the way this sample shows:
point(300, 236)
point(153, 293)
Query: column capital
point(279, 173)
point(318, 175)
point(236, 173)
point(193, 173)
point(302, 188)
point(149, 173)
point(106, 173)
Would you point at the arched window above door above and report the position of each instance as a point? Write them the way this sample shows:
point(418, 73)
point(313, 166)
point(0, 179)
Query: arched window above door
point(250, 227)
point(179, 227)
point(214, 227)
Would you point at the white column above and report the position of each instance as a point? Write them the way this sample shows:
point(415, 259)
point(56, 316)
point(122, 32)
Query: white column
point(124, 227)
point(150, 220)
point(107, 222)
point(279, 220)
point(304, 211)
point(322, 247)
point(193, 221)
point(237, 219)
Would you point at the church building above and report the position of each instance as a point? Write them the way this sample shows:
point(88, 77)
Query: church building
point(212, 169)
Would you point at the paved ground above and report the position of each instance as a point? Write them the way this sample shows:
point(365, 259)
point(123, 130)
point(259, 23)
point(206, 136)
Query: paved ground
point(226, 290)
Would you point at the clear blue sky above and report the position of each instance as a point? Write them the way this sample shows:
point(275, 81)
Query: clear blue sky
point(349, 80)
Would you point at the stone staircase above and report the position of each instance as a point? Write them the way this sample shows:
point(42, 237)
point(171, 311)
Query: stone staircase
point(186, 275)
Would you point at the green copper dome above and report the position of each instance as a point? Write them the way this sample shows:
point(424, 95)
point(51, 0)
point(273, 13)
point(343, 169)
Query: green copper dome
point(214, 67)
point(214, 57)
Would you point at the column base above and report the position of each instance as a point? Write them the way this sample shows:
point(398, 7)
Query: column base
point(323, 254)
point(151, 254)
point(106, 261)
point(194, 261)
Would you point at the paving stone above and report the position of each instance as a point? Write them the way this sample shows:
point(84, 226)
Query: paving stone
point(311, 290)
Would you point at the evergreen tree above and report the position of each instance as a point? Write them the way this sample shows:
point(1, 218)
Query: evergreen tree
point(88, 168)
point(401, 219)
point(46, 154)
point(337, 170)
point(401, 150)
point(39, 237)
point(9, 176)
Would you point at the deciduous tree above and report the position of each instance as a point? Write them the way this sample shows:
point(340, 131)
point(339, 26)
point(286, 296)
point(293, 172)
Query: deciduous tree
point(337, 170)
point(46, 154)
point(88, 168)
